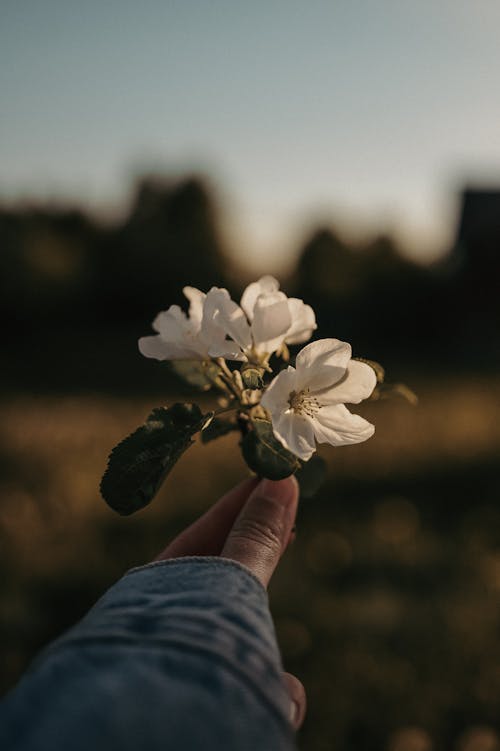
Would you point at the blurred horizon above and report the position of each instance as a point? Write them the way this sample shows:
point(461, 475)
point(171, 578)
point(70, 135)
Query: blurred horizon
point(368, 115)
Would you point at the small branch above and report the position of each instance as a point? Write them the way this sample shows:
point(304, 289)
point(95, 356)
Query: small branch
point(224, 409)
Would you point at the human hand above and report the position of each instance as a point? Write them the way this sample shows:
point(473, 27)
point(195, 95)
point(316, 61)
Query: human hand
point(253, 525)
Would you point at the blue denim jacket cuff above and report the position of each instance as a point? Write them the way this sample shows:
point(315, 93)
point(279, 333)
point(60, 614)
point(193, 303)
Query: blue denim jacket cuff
point(210, 606)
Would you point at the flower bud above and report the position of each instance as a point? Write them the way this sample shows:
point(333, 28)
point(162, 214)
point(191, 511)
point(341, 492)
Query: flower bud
point(252, 377)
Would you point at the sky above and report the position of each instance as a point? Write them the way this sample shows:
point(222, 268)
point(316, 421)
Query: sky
point(368, 115)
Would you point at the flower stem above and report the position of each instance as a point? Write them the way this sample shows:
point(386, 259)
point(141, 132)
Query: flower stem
point(227, 377)
point(225, 409)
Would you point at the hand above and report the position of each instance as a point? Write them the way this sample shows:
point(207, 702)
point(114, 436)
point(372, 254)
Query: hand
point(252, 524)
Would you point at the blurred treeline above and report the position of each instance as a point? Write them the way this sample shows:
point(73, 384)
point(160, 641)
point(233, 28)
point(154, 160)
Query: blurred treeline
point(387, 605)
point(78, 293)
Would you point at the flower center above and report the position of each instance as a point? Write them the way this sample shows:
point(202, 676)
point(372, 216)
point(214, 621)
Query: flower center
point(303, 404)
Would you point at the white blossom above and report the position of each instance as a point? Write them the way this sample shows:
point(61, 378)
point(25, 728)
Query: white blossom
point(303, 320)
point(307, 402)
point(264, 321)
point(181, 336)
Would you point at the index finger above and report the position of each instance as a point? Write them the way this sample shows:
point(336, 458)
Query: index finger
point(207, 535)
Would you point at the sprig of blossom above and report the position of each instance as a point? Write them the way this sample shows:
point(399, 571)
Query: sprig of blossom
point(216, 326)
point(281, 416)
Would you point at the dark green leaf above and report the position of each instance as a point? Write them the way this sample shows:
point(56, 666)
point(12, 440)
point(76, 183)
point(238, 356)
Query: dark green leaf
point(200, 374)
point(311, 476)
point(217, 428)
point(264, 453)
point(138, 465)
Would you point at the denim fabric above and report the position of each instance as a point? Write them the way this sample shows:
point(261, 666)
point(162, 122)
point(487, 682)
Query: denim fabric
point(178, 654)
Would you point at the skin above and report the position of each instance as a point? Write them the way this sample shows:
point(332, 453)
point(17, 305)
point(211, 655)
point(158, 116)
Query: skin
point(252, 524)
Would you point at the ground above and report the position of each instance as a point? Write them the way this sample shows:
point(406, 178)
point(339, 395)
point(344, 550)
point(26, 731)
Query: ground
point(387, 606)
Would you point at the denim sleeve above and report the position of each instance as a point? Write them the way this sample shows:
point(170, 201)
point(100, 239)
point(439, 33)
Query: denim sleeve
point(178, 654)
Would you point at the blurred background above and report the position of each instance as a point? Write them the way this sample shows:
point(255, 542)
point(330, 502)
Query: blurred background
point(353, 150)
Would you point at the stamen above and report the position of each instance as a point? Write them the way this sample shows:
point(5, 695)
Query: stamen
point(303, 404)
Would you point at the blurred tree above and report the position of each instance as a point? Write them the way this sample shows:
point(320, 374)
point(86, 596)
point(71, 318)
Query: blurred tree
point(169, 240)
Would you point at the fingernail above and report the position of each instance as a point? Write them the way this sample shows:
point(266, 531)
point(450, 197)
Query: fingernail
point(285, 490)
point(294, 712)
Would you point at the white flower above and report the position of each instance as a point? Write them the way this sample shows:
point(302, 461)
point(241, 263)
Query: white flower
point(181, 336)
point(303, 320)
point(307, 403)
point(265, 320)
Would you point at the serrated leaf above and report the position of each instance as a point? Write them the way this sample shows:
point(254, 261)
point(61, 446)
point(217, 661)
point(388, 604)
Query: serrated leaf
point(264, 453)
point(216, 428)
point(200, 374)
point(311, 476)
point(139, 464)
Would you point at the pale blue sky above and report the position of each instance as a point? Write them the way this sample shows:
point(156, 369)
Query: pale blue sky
point(368, 113)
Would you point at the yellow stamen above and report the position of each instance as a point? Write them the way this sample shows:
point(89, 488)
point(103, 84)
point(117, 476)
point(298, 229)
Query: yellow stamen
point(303, 404)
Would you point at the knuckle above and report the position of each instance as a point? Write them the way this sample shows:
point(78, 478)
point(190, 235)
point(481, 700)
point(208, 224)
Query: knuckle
point(261, 532)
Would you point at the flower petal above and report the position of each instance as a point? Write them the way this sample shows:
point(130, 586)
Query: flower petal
point(249, 297)
point(276, 397)
point(271, 321)
point(227, 349)
point(321, 364)
point(296, 434)
point(178, 337)
point(357, 384)
point(334, 424)
point(222, 318)
point(171, 323)
point(157, 348)
point(303, 322)
point(196, 299)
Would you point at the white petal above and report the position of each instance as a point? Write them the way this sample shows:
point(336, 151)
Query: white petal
point(321, 364)
point(171, 323)
point(303, 322)
point(296, 434)
point(222, 314)
point(196, 299)
point(357, 384)
point(227, 349)
point(249, 297)
point(336, 425)
point(276, 397)
point(157, 348)
point(271, 321)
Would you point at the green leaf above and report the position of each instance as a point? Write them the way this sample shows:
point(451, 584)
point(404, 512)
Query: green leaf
point(311, 476)
point(138, 465)
point(200, 374)
point(216, 428)
point(264, 453)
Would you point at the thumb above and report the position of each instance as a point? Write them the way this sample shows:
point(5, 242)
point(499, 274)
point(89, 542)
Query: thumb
point(261, 531)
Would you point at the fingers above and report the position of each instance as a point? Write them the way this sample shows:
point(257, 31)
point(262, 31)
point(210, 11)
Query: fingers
point(262, 530)
point(298, 700)
point(207, 535)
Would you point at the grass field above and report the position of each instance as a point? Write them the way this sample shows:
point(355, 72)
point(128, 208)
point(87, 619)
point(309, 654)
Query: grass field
point(388, 603)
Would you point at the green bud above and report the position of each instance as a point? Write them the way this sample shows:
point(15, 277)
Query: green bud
point(252, 377)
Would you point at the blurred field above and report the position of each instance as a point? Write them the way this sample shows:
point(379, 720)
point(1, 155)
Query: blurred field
point(388, 604)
